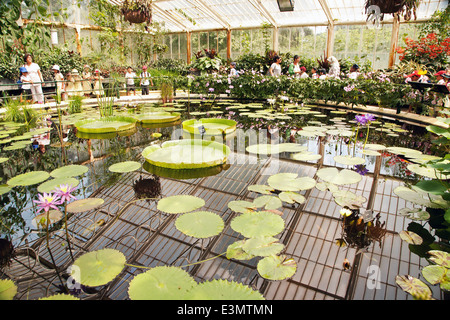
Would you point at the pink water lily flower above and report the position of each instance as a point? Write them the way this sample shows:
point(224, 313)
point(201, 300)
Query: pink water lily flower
point(47, 201)
point(65, 192)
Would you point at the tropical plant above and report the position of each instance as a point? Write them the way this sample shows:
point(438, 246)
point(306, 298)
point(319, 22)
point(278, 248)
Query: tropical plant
point(75, 104)
point(208, 62)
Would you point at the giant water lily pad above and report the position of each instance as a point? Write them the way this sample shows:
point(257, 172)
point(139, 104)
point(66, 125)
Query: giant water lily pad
point(286, 181)
point(180, 204)
point(99, 267)
point(161, 283)
point(83, 205)
point(256, 224)
point(209, 126)
point(125, 166)
point(200, 224)
point(187, 154)
point(334, 176)
point(106, 124)
point(158, 117)
point(225, 290)
point(28, 179)
point(277, 267)
point(71, 170)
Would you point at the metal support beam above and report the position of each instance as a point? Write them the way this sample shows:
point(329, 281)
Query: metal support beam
point(263, 11)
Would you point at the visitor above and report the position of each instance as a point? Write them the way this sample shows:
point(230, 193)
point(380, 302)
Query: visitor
point(275, 68)
point(439, 77)
point(26, 84)
point(303, 73)
point(354, 72)
point(36, 77)
point(59, 79)
point(146, 79)
point(129, 77)
point(314, 74)
point(334, 71)
point(322, 74)
point(294, 67)
point(75, 81)
point(233, 71)
point(98, 86)
point(416, 77)
point(70, 88)
point(87, 85)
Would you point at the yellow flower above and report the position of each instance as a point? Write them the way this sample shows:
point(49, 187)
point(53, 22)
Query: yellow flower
point(345, 212)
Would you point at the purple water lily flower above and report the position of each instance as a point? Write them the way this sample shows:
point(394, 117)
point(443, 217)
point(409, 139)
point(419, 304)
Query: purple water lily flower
point(361, 120)
point(361, 169)
point(369, 117)
point(65, 192)
point(47, 201)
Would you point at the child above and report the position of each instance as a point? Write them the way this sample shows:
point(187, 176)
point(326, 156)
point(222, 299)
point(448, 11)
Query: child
point(98, 86)
point(322, 73)
point(60, 85)
point(146, 78)
point(26, 84)
point(233, 71)
point(314, 74)
point(87, 86)
point(129, 77)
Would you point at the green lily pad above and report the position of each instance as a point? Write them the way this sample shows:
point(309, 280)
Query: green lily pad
point(71, 170)
point(4, 188)
point(200, 224)
point(126, 166)
point(419, 197)
point(268, 202)
point(40, 221)
point(346, 198)
point(260, 188)
point(349, 160)
point(50, 185)
point(262, 246)
point(427, 171)
point(289, 182)
point(343, 177)
point(436, 275)
point(236, 251)
point(257, 224)
point(3, 159)
point(180, 204)
point(8, 289)
point(441, 258)
point(415, 287)
point(241, 206)
point(224, 290)
point(415, 214)
point(369, 152)
point(374, 146)
point(404, 151)
point(106, 124)
point(291, 197)
point(277, 267)
point(99, 267)
point(212, 126)
point(306, 156)
point(60, 296)
point(161, 283)
point(83, 205)
point(410, 237)
point(28, 179)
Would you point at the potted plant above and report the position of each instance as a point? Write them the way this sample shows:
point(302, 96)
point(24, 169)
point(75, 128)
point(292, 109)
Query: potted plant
point(137, 11)
point(406, 7)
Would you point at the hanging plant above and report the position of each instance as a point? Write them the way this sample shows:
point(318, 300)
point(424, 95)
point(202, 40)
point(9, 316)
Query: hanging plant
point(137, 11)
point(407, 8)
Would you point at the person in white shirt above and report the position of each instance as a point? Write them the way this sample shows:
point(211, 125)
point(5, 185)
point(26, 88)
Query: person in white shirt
point(146, 79)
point(439, 77)
point(36, 76)
point(26, 84)
point(303, 74)
point(322, 74)
point(233, 71)
point(354, 72)
point(335, 69)
point(59, 79)
point(314, 74)
point(275, 68)
point(129, 77)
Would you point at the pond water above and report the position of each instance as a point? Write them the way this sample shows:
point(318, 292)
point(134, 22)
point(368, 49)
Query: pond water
point(256, 124)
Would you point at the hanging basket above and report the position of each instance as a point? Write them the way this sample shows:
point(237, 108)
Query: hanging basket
point(136, 16)
point(405, 7)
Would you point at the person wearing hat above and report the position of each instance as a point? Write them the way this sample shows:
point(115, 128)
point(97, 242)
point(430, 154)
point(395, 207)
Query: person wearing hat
point(98, 86)
point(354, 72)
point(74, 87)
point(60, 84)
point(303, 73)
point(416, 76)
point(439, 77)
point(146, 79)
point(26, 84)
point(86, 80)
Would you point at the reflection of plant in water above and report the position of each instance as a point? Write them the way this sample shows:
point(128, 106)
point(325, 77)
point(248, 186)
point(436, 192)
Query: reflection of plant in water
point(360, 230)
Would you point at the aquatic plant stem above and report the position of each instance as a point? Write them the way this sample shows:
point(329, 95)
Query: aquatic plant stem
point(67, 231)
point(367, 136)
point(187, 265)
point(356, 138)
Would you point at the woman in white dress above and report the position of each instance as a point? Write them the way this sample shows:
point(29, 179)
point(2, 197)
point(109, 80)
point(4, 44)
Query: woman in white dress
point(275, 68)
point(35, 74)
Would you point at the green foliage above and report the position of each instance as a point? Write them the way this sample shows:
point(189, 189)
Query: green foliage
point(75, 104)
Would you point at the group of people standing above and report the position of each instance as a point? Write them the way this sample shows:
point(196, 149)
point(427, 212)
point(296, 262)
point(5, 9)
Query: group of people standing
point(144, 82)
point(300, 71)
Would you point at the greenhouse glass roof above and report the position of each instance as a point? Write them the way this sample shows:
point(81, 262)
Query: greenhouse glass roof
point(197, 15)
